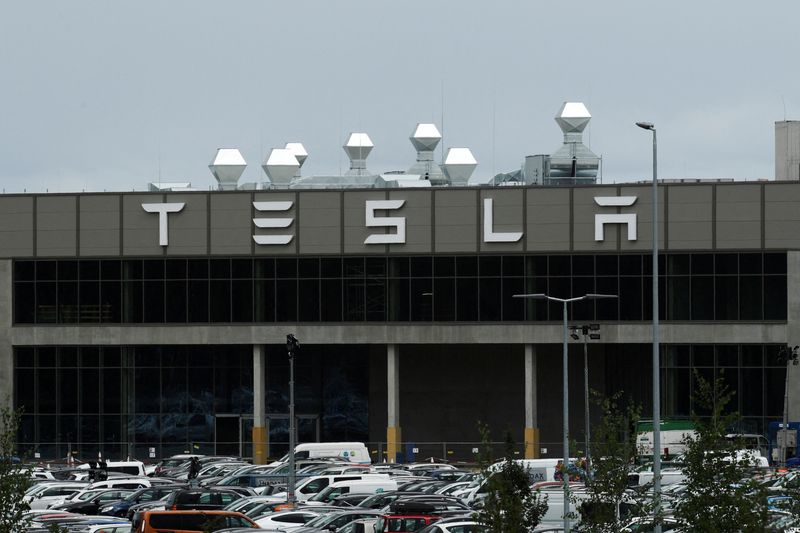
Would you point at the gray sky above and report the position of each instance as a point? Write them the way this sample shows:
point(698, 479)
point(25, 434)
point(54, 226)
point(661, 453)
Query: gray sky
point(111, 94)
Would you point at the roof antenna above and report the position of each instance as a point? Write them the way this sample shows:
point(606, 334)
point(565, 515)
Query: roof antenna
point(442, 145)
point(784, 107)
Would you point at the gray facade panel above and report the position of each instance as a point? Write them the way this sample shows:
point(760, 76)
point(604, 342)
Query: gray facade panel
point(584, 211)
point(782, 216)
point(188, 230)
point(690, 217)
point(140, 229)
point(99, 225)
point(231, 225)
point(355, 229)
point(738, 213)
point(56, 226)
point(456, 215)
point(643, 208)
point(320, 222)
point(16, 226)
point(291, 230)
point(417, 211)
point(508, 217)
point(548, 224)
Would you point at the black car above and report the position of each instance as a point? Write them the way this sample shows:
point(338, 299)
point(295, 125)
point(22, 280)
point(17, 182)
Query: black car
point(92, 506)
point(148, 494)
point(202, 499)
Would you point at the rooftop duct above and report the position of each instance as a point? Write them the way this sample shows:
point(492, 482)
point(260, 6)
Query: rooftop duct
point(459, 164)
point(425, 139)
point(358, 148)
point(299, 152)
point(281, 165)
point(573, 162)
point(227, 167)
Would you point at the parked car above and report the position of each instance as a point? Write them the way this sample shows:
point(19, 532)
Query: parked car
point(201, 499)
point(148, 494)
point(187, 521)
point(92, 505)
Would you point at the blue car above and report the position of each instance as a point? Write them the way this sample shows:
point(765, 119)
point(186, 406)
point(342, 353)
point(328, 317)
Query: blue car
point(148, 494)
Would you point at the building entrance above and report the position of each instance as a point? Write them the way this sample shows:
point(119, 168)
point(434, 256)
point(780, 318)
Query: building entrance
point(233, 435)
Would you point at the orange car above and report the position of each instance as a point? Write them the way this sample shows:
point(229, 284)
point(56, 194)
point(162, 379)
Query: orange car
point(189, 521)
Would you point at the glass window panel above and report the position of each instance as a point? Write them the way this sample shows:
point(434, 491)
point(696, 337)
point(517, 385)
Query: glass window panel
point(89, 269)
point(309, 300)
point(750, 263)
point(775, 263)
point(513, 308)
point(559, 265)
point(286, 268)
point(176, 356)
point(559, 287)
point(89, 297)
point(750, 298)
point(24, 391)
point(24, 303)
point(264, 300)
point(513, 265)
point(132, 269)
point(198, 300)
point(702, 298)
point(90, 429)
point(421, 299)
point(467, 299)
point(220, 268)
point(536, 309)
point(677, 264)
point(752, 391)
point(24, 357)
point(148, 390)
point(444, 299)
point(583, 310)
point(774, 297)
point(220, 300)
point(176, 392)
point(308, 267)
point(68, 428)
point(444, 266)
point(286, 300)
point(375, 267)
point(46, 271)
point(726, 298)
point(536, 265)
point(111, 301)
point(200, 427)
point(197, 268)
point(354, 267)
point(113, 390)
point(774, 385)
point(153, 295)
point(90, 356)
point(67, 270)
point(702, 263)
point(772, 355)
point(752, 355)
point(630, 264)
point(242, 300)
point(331, 267)
point(421, 267)
point(132, 306)
point(47, 356)
point(606, 265)
point(46, 302)
point(24, 270)
point(173, 427)
point(176, 269)
point(112, 429)
point(331, 300)
point(376, 299)
point(490, 295)
point(354, 294)
point(583, 265)
point(607, 308)
point(110, 269)
point(48, 401)
point(678, 298)
point(153, 269)
point(703, 355)
point(176, 301)
point(675, 392)
point(146, 429)
point(242, 268)
point(727, 354)
point(726, 264)
point(90, 390)
point(489, 265)
point(467, 265)
point(67, 357)
point(147, 356)
point(706, 374)
point(264, 268)
point(112, 356)
point(67, 302)
point(677, 355)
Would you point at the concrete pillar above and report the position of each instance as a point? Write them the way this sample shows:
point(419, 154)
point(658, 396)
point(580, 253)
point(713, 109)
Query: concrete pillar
point(6, 350)
point(260, 435)
point(793, 329)
point(394, 439)
point(531, 407)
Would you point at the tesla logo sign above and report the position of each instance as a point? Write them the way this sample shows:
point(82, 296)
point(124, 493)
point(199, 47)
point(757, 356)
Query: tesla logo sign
point(274, 216)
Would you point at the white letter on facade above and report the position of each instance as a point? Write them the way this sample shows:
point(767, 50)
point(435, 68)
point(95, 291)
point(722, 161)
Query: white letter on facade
point(273, 222)
point(399, 223)
point(488, 226)
point(163, 225)
point(601, 220)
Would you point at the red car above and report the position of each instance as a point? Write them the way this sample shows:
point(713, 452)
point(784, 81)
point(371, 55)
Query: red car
point(404, 523)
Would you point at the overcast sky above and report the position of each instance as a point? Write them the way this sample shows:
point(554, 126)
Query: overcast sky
point(114, 94)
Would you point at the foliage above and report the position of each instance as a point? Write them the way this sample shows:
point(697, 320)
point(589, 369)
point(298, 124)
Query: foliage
point(511, 506)
point(14, 479)
point(721, 494)
point(613, 456)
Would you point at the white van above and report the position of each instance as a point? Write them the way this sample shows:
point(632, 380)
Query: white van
point(121, 483)
point(362, 486)
point(538, 470)
point(132, 468)
point(355, 452)
point(310, 487)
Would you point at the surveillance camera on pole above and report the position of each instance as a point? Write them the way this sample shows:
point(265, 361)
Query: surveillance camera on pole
point(292, 349)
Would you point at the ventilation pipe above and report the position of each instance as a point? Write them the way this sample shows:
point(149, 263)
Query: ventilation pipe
point(358, 148)
point(227, 167)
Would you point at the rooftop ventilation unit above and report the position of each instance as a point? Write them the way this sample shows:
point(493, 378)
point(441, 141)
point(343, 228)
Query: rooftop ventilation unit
point(227, 167)
point(300, 154)
point(281, 165)
point(358, 148)
point(425, 139)
point(573, 162)
point(459, 164)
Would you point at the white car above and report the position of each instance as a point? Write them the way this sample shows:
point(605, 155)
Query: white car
point(47, 493)
point(461, 526)
point(286, 520)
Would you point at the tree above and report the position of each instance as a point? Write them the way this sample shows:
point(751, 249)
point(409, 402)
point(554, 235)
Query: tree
point(14, 479)
point(721, 494)
point(613, 458)
point(511, 506)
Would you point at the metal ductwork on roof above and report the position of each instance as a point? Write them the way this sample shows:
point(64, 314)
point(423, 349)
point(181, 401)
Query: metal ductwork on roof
point(280, 166)
point(227, 167)
point(358, 148)
point(425, 139)
point(573, 162)
point(299, 152)
point(459, 164)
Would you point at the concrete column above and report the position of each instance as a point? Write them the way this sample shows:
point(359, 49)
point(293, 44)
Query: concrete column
point(6, 350)
point(793, 329)
point(260, 435)
point(531, 407)
point(394, 439)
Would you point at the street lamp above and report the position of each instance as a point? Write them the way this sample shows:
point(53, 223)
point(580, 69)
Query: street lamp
point(656, 359)
point(565, 407)
point(594, 336)
point(291, 348)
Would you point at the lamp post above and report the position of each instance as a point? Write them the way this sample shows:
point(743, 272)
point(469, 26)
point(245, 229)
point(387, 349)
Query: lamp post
point(565, 407)
point(656, 357)
point(291, 348)
point(594, 336)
